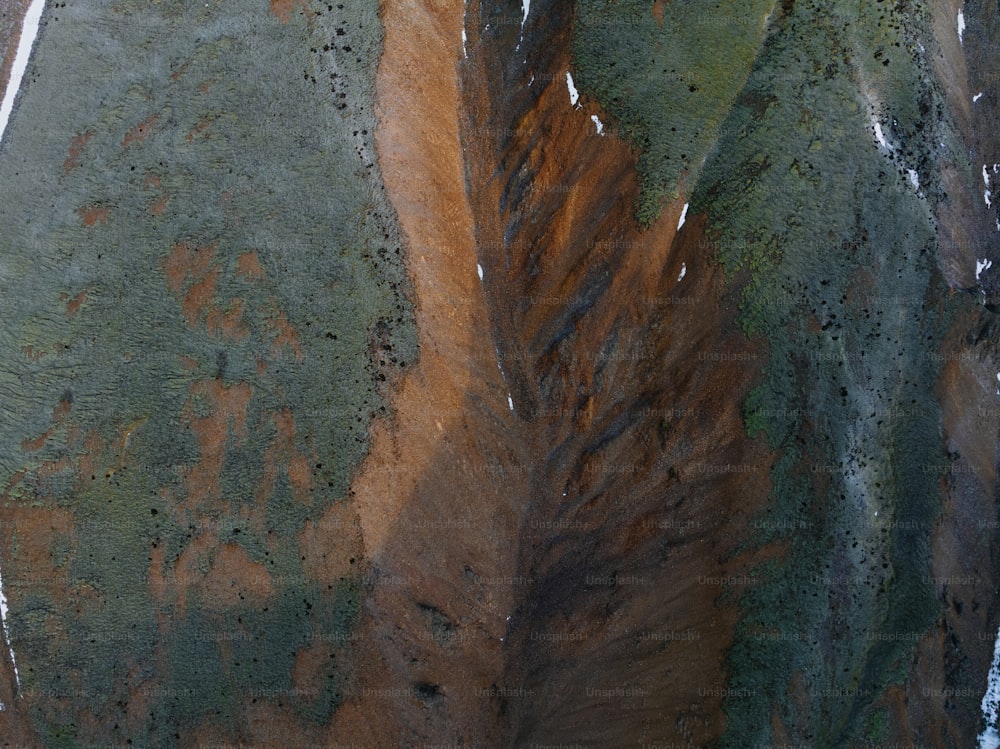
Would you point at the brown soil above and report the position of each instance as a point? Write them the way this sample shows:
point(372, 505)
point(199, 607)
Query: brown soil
point(74, 304)
point(140, 132)
point(426, 513)
point(964, 223)
point(283, 9)
point(940, 705)
point(658, 10)
point(36, 531)
point(556, 572)
point(76, 147)
point(249, 267)
point(94, 214)
point(550, 573)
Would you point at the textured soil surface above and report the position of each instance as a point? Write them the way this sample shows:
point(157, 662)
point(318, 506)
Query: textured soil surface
point(365, 382)
point(525, 553)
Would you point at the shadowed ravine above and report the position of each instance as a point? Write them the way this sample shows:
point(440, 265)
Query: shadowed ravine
point(363, 387)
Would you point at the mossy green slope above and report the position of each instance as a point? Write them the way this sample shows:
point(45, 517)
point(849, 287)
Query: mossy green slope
point(833, 235)
point(669, 82)
point(194, 242)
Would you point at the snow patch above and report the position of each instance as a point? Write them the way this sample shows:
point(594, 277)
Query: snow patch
point(982, 265)
point(525, 5)
point(479, 270)
point(510, 402)
point(961, 26)
point(990, 739)
point(914, 178)
point(29, 31)
point(574, 95)
point(465, 12)
point(598, 123)
point(880, 135)
point(977, 97)
point(683, 218)
point(684, 270)
point(5, 627)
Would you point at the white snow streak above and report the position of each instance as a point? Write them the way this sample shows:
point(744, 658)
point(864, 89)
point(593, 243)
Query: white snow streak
point(6, 632)
point(28, 33)
point(961, 26)
point(880, 136)
point(525, 5)
point(990, 739)
point(683, 218)
point(574, 95)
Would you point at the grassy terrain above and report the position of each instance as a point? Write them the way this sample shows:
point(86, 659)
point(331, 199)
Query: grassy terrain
point(219, 128)
point(838, 248)
point(667, 83)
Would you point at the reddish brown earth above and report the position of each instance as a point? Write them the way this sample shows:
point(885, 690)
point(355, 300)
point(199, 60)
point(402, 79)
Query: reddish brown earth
point(550, 573)
point(555, 573)
point(140, 132)
point(940, 703)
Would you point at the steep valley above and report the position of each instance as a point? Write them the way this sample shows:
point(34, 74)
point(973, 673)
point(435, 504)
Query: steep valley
point(463, 374)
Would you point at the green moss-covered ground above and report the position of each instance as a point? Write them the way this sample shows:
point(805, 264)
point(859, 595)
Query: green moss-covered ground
point(668, 83)
point(211, 126)
point(837, 248)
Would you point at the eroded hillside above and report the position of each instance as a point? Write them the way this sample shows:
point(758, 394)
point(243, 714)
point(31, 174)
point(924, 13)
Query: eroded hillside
point(486, 375)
